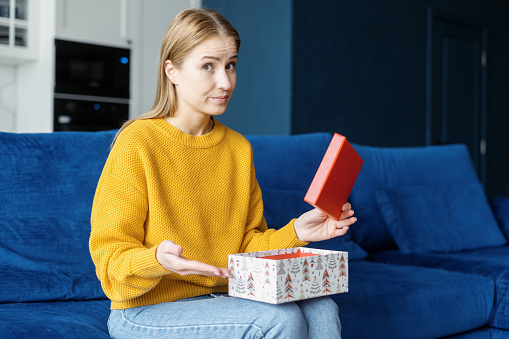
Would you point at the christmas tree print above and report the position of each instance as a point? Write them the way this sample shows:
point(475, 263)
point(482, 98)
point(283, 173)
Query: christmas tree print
point(278, 294)
point(325, 282)
point(244, 267)
point(315, 287)
point(332, 262)
point(281, 269)
point(342, 267)
point(267, 274)
point(250, 286)
point(295, 267)
point(241, 287)
point(319, 264)
point(342, 287)
point(232, 269)
point(305, 271)
point(288, 287)
point(257, 268)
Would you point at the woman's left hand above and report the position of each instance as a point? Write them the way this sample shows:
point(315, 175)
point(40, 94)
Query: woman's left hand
point(317, 226)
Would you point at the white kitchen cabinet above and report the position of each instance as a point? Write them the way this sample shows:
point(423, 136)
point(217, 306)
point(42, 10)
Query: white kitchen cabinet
point(105, 22)
point(19, 21)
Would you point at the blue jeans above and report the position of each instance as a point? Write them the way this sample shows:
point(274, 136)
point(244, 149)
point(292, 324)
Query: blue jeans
point(220, 316)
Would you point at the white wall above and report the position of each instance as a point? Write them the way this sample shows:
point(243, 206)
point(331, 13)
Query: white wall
point(35, 80)
point(154, 17)
point(26, 90)
point(7, 98)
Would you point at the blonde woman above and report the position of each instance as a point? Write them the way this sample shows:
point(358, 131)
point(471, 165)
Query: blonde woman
point(178, 193)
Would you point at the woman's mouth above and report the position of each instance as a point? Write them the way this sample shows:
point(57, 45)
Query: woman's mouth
point(221, 99)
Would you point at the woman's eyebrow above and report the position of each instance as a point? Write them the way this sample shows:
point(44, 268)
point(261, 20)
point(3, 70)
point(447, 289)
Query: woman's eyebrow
point(217, 59)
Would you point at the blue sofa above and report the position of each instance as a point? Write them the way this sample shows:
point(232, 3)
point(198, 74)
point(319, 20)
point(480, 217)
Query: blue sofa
point(428, 256)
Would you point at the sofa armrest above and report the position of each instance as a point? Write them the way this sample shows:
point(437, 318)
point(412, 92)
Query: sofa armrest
point(500, 208)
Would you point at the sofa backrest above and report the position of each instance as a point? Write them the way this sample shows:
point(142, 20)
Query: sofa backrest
point(285, 167)
point(392, 168)
point(47, 185)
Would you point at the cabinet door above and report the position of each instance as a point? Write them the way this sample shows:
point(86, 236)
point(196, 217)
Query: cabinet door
point(18, 31)
point(94, 21)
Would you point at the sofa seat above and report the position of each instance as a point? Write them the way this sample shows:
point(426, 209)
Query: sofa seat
point(492, 263)
point(482, 333)
point(393, 301)
point(55, 319)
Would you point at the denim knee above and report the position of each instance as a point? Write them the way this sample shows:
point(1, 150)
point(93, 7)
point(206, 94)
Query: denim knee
point(283, 321)
point(322, 316)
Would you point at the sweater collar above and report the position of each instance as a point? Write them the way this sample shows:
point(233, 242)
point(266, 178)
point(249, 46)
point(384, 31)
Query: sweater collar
point(203, 141)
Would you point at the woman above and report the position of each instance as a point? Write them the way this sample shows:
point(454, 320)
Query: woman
point(178, 193)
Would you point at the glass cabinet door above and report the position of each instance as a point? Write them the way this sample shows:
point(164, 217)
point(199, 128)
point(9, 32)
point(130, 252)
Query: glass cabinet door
point(5, 14)
point(15, 29)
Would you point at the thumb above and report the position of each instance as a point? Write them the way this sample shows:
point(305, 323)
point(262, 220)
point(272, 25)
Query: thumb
point(170, 247)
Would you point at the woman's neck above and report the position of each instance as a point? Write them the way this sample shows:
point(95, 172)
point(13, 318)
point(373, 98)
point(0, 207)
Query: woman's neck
point(195, 127)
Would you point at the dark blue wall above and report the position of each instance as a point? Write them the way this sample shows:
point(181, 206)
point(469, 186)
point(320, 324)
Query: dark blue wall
point(362, 69)
point(261, 101)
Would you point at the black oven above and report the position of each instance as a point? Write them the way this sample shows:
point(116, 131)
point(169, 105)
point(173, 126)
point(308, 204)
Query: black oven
point(91, 86)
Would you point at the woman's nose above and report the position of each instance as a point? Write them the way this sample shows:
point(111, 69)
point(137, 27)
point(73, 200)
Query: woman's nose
point(223, 80)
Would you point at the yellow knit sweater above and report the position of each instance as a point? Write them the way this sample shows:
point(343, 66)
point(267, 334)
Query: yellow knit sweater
point(162, 184)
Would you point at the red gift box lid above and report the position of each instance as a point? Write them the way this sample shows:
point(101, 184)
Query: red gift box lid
point(335, 177)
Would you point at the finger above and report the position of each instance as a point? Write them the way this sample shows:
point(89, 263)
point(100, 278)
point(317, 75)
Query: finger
point(346, 214)
point(341, 231)
point(190, 267)
point(345, 222)
point(346, 206)
point(170, 247)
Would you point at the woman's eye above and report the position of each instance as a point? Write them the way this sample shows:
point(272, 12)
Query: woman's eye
point(207, 67)
point(231, 65)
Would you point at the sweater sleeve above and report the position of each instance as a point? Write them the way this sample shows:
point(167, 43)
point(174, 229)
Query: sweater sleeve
point(125, 267)
point(257, 236)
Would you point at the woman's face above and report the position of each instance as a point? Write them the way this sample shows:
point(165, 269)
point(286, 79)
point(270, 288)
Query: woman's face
point(205, 81)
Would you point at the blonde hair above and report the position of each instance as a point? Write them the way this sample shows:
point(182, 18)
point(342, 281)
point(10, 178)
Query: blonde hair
point(189, 28)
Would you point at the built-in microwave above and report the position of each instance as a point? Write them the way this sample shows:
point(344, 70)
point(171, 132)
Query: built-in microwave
point(91, 86)
point(88, 69)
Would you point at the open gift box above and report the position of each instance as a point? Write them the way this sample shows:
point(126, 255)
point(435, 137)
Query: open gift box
point(291, 274)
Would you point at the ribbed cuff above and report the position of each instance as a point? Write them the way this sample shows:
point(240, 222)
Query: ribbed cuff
point(145, 264)
point(287, 238)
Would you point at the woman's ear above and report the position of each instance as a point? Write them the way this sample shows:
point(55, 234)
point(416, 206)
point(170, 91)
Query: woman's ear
point(169, 70)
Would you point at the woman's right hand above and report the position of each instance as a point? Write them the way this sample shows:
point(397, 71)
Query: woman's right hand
point(169, 255)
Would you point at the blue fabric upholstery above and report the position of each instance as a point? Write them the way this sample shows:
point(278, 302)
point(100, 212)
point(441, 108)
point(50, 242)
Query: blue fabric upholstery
point(439, 219)
point(391, 301)
point(285, 167)
point(392, 168)
point(500, 206)
point(58, 319)
point(48, 183)
point(482, 333)
point(487, 262)
point(48, 283)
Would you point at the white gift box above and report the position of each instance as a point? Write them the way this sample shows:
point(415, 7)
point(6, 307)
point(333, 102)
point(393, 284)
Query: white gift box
point(285, 275)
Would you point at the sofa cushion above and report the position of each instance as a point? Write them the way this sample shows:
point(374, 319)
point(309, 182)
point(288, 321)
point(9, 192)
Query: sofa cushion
point(61, 319)
point(500, 207)
point(49, 260)
point(48, 183)
point(447, 218)
point(285, 167)
point(392, 301)
point(492, 263)
point(391, 168)
point(485, 332)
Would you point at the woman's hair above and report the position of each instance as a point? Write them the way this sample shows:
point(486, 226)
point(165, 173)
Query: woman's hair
point(190, 28)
